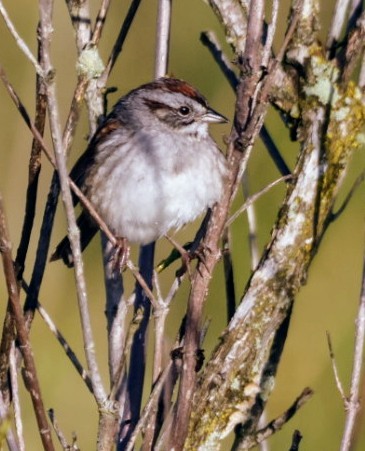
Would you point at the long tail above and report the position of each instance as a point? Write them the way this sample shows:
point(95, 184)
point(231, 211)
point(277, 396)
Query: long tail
point(88, 229)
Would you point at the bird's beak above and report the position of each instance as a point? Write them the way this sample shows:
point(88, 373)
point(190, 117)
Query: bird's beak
point(213, 116)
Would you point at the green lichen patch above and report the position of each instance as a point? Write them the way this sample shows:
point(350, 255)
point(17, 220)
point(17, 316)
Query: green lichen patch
point(90, 64)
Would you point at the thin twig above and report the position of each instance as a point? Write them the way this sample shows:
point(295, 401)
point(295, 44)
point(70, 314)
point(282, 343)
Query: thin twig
point(335, 370)
point(138, 356)
point(296, 439)
point(149, 407)
point(274, 151)
point(163, 37)
point(120, 41)
point(33, 171)
point(22, 110)
point(352, 404)
point(271, 30)
point(228, 274)
point(119, 374)
point(19, 41)
point(25, 346)
point(338, 19)
point(211, 42)
point(100, 21)
point(173, 290)
point(32, 189)
point(351, 52)
point(66, 347)
point(5, 423)
point(360, 179)
point(142, 282)
point(252, 225)
point(40, 262)
point(116, 308)
point(15, 398)
point(254, 198)
point(60, 435)
point(160, 315)
point(98, 389)
point(7, 338)
point(275, 425)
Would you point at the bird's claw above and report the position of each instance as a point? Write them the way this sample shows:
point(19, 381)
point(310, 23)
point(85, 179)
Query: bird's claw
point(188, 255)
point(121, 254)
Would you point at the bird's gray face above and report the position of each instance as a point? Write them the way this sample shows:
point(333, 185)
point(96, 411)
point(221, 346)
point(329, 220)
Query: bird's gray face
point(181, 113)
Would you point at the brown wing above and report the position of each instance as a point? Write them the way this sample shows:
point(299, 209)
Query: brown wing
point(87, 226)
point(86, 160)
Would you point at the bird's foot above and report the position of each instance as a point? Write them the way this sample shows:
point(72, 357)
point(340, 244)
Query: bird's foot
point(121, 254)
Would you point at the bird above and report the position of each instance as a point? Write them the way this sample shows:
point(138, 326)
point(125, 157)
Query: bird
point(151, 165)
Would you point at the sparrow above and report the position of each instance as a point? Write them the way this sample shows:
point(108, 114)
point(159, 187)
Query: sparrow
point(151, 165)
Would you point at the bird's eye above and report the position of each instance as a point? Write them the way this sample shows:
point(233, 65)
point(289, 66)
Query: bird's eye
point(184, 110)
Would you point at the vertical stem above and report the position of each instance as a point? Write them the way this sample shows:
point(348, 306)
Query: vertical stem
point(352, 407)
point(138, 351)
point(228, 274)
point(161, 62)
point(30, 373)
point(163, 37)
point(46, 7)
point(161, 67)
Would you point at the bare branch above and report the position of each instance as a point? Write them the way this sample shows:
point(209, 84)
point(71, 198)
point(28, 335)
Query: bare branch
point(360, 179)
point(19, 41)
point(60, 435)
point(66, 347)
point(210, 41)
point(352, 405)
point(98, 389)
point(149, 407)
point(80, 17)
point(163, 37)
point(25, 347)
point(297, 438)
point(338, 20)
point(238, 154)
point(100, 21)
point(142, 282)
point(271, 30)
point(9, 436)
point(33, 171)
point(300, 226)
point(16, 400)
point(120, 41)
point(249, 442)
point(228, 274)
point(334, 368)
point(255, 197)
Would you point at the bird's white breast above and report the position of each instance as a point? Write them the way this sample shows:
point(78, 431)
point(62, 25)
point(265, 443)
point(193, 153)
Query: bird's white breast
point(155, 183)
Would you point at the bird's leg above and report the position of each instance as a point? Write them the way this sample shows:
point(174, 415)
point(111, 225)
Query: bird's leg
point(121, 253)
point(189, 251)
point(196, 248)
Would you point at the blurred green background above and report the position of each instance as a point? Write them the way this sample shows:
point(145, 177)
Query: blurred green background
point(328, 301)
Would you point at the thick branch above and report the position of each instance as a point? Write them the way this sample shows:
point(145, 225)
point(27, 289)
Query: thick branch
point(234, 378)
